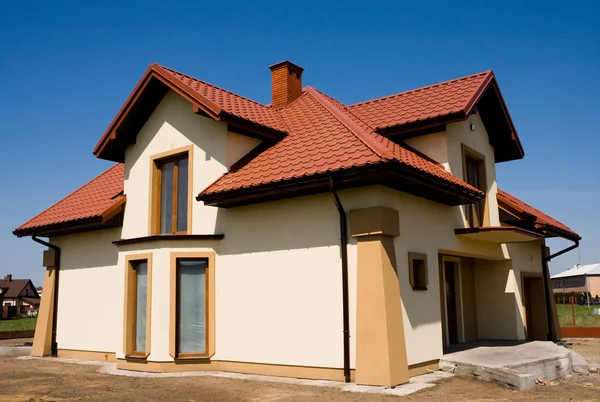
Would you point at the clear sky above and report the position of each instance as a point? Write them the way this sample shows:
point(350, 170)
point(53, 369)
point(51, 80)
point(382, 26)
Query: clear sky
point(67, 67)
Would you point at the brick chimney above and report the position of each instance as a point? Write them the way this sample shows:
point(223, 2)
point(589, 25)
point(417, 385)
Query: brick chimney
point(8, 278)
point(286, 83)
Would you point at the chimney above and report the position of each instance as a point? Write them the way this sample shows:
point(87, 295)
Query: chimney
point(8, 278)
point(286, 83)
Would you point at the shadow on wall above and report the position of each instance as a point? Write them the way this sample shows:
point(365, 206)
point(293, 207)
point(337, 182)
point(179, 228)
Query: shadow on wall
point(496, 300)
point(88, 250)
point(299, 223)
point(175, 113)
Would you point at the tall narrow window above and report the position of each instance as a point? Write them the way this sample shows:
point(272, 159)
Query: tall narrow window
point(172, 194)
point(141, 305)
point(474, 174)
point(192, 311)
point(137, 305)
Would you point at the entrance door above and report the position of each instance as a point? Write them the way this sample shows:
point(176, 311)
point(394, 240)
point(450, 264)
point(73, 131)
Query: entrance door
point(534, 303)
point(451, 298)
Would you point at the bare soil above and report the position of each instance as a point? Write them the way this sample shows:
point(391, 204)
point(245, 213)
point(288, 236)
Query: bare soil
point(47, 380)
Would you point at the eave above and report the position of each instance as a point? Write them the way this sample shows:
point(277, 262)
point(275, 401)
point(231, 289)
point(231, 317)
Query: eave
point(489, 103)
point(110, 218)
point(144, 99)
point(393, 175)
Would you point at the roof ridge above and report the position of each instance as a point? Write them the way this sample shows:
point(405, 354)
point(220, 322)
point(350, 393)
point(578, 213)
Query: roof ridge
point(359, 132)
point(483, 73)
point(214, 86)
point(72, 193)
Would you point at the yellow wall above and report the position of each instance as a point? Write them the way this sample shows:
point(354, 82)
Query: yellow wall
point(89, 295)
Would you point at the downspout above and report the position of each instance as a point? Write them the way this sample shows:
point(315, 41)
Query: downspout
point(344, 257)
point(54, 345)
point(547, 284)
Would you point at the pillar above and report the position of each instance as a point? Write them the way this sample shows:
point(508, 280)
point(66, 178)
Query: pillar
point(380, 344)
point(42, 340)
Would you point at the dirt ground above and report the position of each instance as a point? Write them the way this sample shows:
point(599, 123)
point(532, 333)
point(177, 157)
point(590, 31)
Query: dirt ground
point(47, 380)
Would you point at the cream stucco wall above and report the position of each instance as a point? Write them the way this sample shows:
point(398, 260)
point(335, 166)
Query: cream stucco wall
point(446, 149)
point(172, 126)
point(237, 146)
point(90, 298)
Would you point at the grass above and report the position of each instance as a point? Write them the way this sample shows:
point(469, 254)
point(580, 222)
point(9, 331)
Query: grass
point(584, 316)
point(18, 324)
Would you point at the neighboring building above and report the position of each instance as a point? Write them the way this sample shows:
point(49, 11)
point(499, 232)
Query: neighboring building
point(39, 290)
point(19, 293)
point(580, 278)
point(214, 241)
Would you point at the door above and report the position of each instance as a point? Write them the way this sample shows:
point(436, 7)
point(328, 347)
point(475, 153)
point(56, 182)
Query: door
point(451, 298)
point(534, 304)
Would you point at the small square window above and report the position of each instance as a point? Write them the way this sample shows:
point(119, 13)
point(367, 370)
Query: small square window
point(417, 270)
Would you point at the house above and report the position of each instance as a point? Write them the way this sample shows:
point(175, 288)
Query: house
point(19, 293)
point(305, 238)
point(580, 278)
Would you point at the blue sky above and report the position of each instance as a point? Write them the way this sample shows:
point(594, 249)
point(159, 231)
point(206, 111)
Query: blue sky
point(66, 68)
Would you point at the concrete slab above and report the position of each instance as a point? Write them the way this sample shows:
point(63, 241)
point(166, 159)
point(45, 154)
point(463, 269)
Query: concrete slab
point(518, 366)
point(14, 351)
point(580, 366)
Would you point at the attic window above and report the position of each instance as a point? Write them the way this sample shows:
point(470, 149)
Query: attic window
point(417, 270)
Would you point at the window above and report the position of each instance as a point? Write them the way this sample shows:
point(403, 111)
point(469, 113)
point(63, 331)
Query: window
point(171, 192)
point(138, 305)
point(192, 314)
point(192, 305)
point(417, 270)
point(474, 174)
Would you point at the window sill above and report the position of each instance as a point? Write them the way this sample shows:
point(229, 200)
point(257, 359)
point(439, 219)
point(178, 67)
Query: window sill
point(199, 359)
point(136, 359)
point(419, 289)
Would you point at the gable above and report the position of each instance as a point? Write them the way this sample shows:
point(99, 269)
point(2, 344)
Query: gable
point(429, 109)
point(241, 114)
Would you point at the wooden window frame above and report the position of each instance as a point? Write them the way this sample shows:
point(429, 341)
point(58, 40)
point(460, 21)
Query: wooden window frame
point(210, 305)
point(470, 209)
point(411, 258)
point(156, 161)
point(130, 306)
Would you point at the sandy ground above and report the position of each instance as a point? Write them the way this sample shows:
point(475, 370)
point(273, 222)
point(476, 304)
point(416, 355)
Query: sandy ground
point(47, 380)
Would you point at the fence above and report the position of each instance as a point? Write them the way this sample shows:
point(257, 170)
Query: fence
point(577, 318)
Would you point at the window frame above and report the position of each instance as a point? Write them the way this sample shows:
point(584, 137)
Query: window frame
point(471, 209)
point(130, 306)
point(411, 275)
point(210, 305)
point(156, 162)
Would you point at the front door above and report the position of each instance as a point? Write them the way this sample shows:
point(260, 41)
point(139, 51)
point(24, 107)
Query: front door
point(534, 303)
point(451, 298)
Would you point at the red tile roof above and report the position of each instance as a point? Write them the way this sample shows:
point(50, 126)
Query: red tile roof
point(443, 99)
point(88, 203)
point(231, 103)
point(324, 136)
point(539, 216)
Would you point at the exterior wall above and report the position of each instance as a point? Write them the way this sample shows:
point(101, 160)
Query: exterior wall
point(446, 149)
point(278, 284)
point(171, 126)
point(89, 300)
point(237, 146)
point(433, 145)
point(499, 290)
point(478, 140)
point(592, 285)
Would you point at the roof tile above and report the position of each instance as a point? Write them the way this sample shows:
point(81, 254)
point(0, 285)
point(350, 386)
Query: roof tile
point(425, 103)
point(539, 215)
point(88, 202)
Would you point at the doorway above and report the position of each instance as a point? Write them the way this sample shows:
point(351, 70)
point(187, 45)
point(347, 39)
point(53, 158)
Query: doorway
point(534, 307)
point(451, 300)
